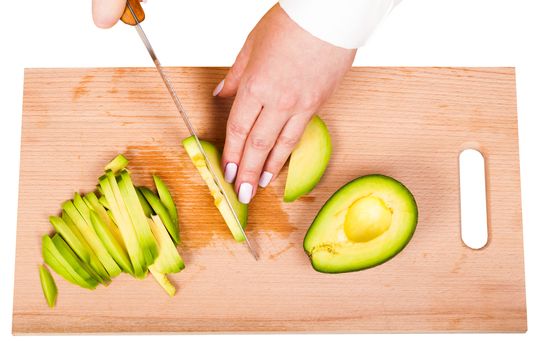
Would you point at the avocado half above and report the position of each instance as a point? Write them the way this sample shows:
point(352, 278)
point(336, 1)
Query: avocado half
point(365, 223)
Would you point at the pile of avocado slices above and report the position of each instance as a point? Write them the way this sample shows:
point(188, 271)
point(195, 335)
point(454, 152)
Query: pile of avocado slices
point(121, 228)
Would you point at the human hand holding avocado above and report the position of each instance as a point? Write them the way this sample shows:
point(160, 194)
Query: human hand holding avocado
point(286, 70)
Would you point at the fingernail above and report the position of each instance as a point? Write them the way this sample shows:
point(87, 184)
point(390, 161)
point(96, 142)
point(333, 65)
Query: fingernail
point(230, 172)
point(218, 88)
point(245, 193)
point(265, 179)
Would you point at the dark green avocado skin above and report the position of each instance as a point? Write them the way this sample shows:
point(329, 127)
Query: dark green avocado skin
point(407, 238)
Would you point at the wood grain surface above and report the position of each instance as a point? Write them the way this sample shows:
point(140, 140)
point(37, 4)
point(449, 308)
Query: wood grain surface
point(409, 123)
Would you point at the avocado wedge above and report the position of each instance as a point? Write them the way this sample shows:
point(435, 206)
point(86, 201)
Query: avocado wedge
point(120, 216)
point(48, 286)
point(365, 223)
point(190, 144)
point(160, 209)
point(308, 160)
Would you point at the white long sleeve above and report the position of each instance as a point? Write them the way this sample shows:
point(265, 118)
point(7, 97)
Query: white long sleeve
point(344, 23)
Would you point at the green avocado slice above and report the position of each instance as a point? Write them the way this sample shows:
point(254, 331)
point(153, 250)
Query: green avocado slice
point(121, 217)
point(190, 144)
point(91, 237)
point(365, 223)
point(162, 212)
point(66, 228)
point(110, 242)
point(146, 207)
point(169, 260)
point(59, 263)
point(48, 286)
point(137, 215)
point(117, 164)
point(166, 198)
point(308, 160)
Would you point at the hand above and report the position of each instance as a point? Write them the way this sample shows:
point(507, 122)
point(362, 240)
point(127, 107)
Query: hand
point(281, 76)
point(107, 12)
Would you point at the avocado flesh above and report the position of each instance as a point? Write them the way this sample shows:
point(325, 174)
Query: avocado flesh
point(190, 144)
point(308, 160)
point(332, 249)
point(48, 286)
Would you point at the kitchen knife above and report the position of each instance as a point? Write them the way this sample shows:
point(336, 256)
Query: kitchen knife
point(134, 15)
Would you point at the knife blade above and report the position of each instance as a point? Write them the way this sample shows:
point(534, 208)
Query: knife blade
point(133, 15)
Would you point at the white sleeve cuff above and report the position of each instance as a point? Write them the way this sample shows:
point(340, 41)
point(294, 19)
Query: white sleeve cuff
point(344, 23)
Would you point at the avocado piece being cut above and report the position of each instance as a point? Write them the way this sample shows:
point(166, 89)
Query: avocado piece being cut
point(365, 223)
point(190, 144)
point(48, 286)
point(308, 160)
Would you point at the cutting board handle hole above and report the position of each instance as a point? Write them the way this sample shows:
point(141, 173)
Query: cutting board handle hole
point(473, 199)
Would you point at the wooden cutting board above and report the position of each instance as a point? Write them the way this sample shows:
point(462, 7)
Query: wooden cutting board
point(409, 123)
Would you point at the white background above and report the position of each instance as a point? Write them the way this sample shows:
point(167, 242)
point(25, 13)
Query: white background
point(37, 33)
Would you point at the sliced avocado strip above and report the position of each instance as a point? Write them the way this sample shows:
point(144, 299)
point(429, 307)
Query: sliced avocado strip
point(99, 272)
point(167, 199)
point(138, 218)
point(117, 164)
point(51, 259)
point(146, 207)
point(74, 238)
point(49, 250)
point(111, 244)
point(92, 202)
point(82, 208)
point(214, 156)
point(163, 281)
point(365, 223)
point(92, 239)
point(82, 269)
point(112, 217)
point(162, 212)
point(104, 203)
point(169, 260)
point(122, 219)
point(48, 286)
point(308, 160)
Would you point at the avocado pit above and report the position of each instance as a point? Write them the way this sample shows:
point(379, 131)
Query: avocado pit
point(367, 218)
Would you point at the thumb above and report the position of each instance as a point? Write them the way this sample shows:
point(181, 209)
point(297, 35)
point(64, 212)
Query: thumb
point(228, 87)
point(107, 12)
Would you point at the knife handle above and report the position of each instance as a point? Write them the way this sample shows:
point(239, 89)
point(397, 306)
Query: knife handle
point(127, 16)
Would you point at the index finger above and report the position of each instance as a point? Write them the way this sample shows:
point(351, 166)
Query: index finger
point(243, 114)
point(107, 12)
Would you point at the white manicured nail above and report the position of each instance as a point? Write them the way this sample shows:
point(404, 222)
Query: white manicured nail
point(218, 88)
point(265, 179)
point(245, 193)
point(230, 172)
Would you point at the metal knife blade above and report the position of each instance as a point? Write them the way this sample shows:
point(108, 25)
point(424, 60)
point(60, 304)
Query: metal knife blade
point(187, 122)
